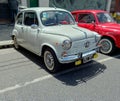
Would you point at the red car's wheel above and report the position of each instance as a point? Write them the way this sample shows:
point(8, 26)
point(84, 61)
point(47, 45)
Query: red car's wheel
point(107, 46)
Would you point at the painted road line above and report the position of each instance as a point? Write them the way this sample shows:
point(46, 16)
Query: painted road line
point(49, 76)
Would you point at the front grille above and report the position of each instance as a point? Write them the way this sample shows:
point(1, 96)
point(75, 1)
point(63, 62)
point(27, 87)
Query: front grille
point(82, 46)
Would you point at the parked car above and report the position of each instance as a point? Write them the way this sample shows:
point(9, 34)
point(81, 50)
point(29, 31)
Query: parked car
point(101, 22)
point(53, 34)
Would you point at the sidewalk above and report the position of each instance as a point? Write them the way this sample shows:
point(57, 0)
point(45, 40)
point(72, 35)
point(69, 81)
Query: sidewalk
point(5, 38)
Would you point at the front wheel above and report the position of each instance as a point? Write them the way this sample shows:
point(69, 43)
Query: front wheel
point(50, 60)
point(107, 46)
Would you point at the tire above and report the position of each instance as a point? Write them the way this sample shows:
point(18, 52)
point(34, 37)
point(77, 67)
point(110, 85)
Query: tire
point(15, 43)
point(51, 61)
point(107, 46)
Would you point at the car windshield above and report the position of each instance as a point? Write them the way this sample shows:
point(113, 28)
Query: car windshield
point(104, 17)
point(50, 18)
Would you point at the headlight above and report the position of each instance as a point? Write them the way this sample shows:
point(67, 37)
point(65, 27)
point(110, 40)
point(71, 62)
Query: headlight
point(66, 44)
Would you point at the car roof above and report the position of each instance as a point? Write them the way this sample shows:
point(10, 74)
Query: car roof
point(88, 11)
point(43, 9)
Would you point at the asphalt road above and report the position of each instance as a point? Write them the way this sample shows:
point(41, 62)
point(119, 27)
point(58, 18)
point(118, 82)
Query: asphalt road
point(23, 78)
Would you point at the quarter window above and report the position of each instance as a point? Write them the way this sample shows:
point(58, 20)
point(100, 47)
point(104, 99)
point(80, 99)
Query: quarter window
point(19, 19)
point(75, 15)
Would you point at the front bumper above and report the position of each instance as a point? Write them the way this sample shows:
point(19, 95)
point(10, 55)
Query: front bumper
point(73, 58)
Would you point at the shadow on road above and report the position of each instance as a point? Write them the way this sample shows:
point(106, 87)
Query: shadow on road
point(32, 57)
point(70, 74)
point(82, 73)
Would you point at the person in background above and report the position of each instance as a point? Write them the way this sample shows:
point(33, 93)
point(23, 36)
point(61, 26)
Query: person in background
point(13, 6)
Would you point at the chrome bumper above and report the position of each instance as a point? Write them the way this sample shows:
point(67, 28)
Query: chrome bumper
point(73, 58)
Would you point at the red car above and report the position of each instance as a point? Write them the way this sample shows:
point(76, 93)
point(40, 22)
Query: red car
point(101, 22)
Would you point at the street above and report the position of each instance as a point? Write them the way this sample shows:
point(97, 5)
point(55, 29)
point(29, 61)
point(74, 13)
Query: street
point(24, 78)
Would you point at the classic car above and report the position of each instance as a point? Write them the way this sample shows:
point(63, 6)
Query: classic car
point(101, 22)
point(53, 34)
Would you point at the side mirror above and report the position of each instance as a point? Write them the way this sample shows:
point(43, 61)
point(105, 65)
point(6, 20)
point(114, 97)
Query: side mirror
point(34, 26)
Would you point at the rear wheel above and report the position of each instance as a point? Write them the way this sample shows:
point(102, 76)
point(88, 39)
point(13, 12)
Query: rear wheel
point(15, 43)
point(107, 46)
point(50, 60)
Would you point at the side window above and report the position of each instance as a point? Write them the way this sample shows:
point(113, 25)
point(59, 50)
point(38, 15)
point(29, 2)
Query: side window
point(19, 19)
point(30, 18)
point(86, 18)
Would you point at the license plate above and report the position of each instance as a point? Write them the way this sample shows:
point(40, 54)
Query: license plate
point(87, 58)
point(78, 62)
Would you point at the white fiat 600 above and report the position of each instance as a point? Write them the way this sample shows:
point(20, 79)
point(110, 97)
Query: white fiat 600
point(53, 34)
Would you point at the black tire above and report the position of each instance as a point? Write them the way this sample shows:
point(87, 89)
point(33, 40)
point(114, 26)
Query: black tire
point(51, 61)
point(15, 43)
point(107, 46)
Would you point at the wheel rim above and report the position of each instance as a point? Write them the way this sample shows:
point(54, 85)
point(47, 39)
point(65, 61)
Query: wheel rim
point(49, 60)
point(106, 46)
point(15, 43)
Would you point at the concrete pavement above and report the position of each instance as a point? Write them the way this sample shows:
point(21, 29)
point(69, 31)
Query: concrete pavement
point(5, 38)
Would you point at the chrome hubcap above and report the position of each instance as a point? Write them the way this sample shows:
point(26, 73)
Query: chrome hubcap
point(49, 60)
point(106, 46)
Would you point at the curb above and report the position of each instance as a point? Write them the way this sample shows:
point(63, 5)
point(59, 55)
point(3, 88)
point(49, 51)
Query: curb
point(6, 44)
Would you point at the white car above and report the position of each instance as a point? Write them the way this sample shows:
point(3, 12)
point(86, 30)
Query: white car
point(53, 34)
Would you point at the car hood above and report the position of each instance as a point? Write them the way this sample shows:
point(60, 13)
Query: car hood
point(72, 31)
point(111, 26)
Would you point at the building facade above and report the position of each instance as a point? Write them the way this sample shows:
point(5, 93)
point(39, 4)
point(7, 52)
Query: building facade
point(5, 12)
point(70, 5)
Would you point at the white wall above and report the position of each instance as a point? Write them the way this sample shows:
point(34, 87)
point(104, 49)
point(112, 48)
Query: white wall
point(24, 3)
point(44, 3)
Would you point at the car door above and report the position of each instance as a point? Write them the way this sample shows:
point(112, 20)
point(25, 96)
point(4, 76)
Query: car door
point(86, 20)
point(19, 28)
point(32, 30)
